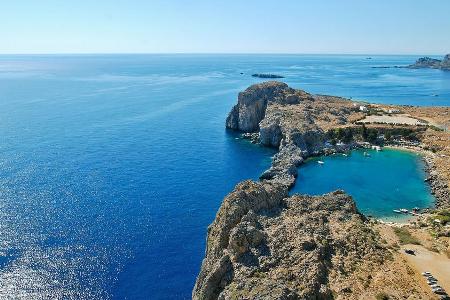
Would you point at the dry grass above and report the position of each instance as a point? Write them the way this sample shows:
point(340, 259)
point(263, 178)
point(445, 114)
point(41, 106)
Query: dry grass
point(405, 236)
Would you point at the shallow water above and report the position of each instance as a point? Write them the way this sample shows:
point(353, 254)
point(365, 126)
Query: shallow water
point(112, 166)
point(379, 183)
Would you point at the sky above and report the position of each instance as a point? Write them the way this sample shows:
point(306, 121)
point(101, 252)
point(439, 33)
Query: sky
point(226, 26)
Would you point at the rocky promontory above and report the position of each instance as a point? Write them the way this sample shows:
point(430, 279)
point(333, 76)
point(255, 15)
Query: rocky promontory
point(428, 62)
point(266, 244)
point(293, 121)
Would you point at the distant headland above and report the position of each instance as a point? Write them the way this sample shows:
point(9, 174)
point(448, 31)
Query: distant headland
point(272, 76)
point(428, 62)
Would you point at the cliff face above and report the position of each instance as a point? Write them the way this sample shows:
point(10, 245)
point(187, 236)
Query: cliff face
point(252, 103)
point(265, 245)
point(291, 120)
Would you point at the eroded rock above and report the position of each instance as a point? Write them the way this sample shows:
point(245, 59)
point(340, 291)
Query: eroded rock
point(283, 248)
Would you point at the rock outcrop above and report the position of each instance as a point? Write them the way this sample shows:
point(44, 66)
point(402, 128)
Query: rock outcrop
point(428, 62)
point(272, 76)
point(252, 103)
point(265, 245)
point(285, 119)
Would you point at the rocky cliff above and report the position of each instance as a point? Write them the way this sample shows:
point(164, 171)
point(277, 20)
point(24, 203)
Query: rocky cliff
point(252, 103)
point(427, 62)
point(293, 121)
point(265, 245)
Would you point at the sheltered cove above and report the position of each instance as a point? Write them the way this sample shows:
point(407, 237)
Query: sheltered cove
point(264, 243)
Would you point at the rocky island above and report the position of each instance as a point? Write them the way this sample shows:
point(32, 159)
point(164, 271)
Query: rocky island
point(265, 244)
point(271, 76)
point(428, 62)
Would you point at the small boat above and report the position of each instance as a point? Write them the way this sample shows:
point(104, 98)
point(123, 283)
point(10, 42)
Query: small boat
point(320, 162)
point(397, 211)
point(366, 154)
point(405, 211)
point(344, 154)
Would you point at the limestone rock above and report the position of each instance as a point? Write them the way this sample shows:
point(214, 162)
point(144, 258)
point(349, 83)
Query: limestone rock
point(251, 107)
point(265, 245)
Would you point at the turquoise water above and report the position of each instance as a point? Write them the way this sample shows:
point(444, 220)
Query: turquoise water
point(379, 183)
point(113, 166)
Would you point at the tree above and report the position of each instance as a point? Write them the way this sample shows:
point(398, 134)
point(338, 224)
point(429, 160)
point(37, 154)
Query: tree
point(372, 135)
point(364, 132)
point(348, 135)
point(388, 135)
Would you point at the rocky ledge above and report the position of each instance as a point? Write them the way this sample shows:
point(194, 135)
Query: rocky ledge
point(428, 62)
point(265, 245)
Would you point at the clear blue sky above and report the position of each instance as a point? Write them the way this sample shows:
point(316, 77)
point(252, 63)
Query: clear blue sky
point(227, 26)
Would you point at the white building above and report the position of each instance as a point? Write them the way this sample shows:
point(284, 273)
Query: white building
point(363, 108)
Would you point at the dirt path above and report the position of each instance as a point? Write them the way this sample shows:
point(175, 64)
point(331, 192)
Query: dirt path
point(426, 260)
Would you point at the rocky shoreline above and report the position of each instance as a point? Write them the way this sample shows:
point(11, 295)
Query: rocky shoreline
point(428, 62)
point(438, 186)
point(264, 244)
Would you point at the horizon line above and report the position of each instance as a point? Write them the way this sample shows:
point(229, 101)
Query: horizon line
point(216, 53)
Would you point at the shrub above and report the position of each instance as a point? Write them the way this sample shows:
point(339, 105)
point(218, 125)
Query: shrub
point(443, 216)
point(382, 296)
point(405, 236)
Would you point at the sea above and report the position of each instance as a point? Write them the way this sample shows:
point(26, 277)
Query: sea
point(113, 166)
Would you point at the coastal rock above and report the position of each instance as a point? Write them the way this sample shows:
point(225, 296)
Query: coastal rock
point(265, 245)
point(252, 104)
point(428, 62)
point(284, 166)
point(290, 120)
point(225, 243)
point(445, 64)
point(267, 76)
point(251, 107)
point(270, 133)
point(309, 142)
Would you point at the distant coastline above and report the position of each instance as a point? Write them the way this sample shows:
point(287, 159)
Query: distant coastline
point(267, 76)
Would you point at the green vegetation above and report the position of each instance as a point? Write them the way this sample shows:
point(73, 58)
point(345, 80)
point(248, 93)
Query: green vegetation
point(347, 134)
point(443, 216)
point(382, 296)
point(435, 128)
point(405, 236)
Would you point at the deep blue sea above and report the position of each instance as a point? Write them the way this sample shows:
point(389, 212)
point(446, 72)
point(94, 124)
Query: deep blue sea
point(113, 166)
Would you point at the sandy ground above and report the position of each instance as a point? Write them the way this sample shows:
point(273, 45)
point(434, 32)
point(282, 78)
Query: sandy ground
point(425, 260)
point(396, 119)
